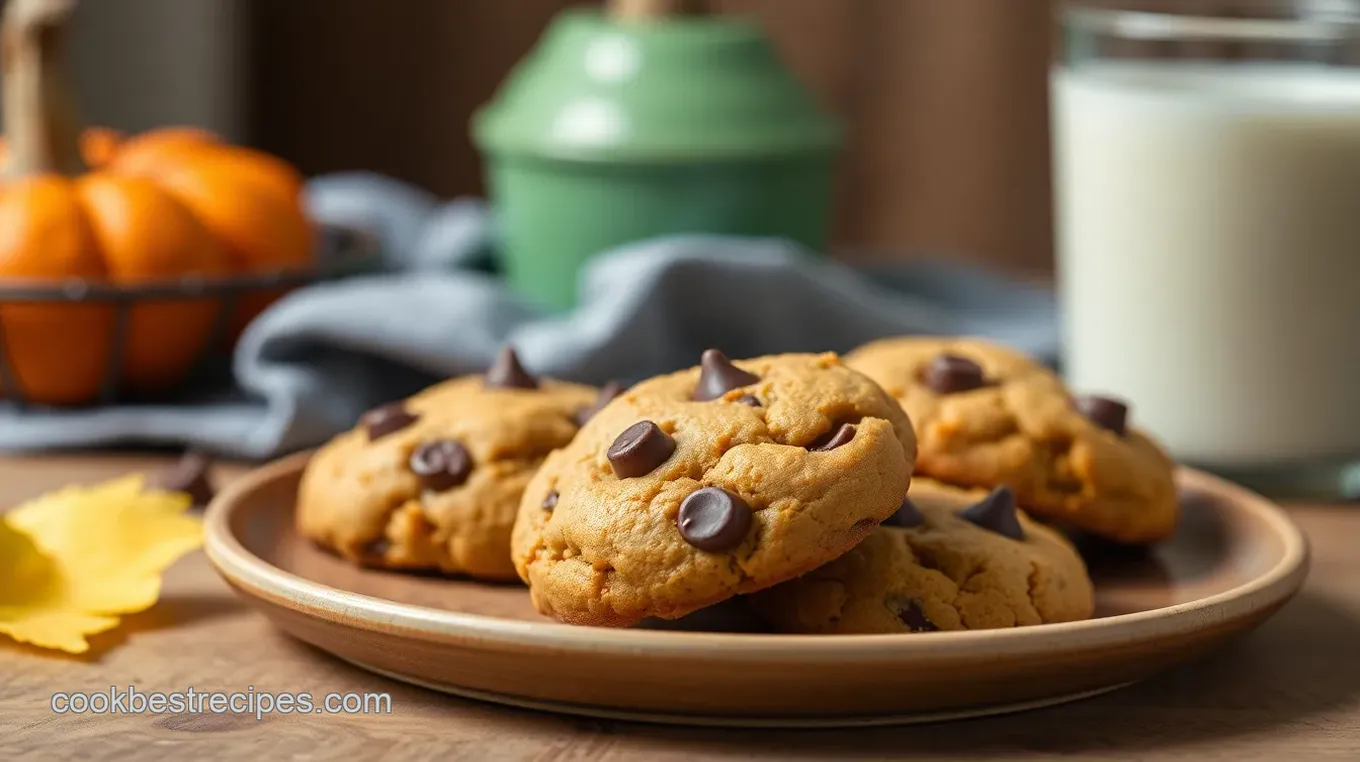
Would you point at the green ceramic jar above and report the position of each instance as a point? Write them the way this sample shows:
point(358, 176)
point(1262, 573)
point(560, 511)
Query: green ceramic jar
point(615, 131)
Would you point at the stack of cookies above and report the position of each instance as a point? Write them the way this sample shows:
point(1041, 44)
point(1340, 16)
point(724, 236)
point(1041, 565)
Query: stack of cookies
point(917, 484)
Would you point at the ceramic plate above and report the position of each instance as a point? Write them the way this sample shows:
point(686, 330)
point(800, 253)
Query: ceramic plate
point(1236, 559)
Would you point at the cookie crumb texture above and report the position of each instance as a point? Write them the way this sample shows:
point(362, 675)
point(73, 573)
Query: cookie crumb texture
point(1023, 428)
point(610, 552)
point(945, 574)
point(361, 496)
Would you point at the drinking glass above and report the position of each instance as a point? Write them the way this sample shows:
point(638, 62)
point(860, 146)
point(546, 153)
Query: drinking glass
point(1207, 181)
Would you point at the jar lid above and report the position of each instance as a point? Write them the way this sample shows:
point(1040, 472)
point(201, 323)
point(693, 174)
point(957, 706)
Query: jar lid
point(679, 89)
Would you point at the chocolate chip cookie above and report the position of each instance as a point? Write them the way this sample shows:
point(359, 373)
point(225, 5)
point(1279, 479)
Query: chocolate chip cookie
point(986, 415)
point(722, 479)
point(434, 482)
point(950, 559)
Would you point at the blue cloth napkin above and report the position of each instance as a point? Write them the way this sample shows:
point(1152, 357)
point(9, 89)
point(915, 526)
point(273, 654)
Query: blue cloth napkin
point(312, 363)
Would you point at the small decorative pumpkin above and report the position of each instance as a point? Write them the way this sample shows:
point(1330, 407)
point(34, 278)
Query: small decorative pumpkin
point(90, 205)
point(248, 199)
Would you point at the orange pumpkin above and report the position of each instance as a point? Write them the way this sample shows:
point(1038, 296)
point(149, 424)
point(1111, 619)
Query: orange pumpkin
point(93, 206)
point(251, 201)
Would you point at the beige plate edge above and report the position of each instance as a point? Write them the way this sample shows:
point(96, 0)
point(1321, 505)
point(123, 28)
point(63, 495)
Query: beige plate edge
point(256, 577)
point(709, 721)
point(244, 569)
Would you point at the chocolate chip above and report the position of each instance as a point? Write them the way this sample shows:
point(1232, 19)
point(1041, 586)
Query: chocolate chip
point(835, 439)
point(390, 418)
point(947, 374)
point(718, 376)
point(607, 394)
point(550, 502)
point(441, 465)
point(907, 516)
point(1105, 412)
point(996, 512)
point(377, 548)
point(507, 373)
point(191, 475)
point(714, 519)
point(640, 449)
point(747, 399)
point(915, 619)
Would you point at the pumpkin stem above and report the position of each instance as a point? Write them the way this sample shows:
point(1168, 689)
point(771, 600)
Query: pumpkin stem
point(41, 126)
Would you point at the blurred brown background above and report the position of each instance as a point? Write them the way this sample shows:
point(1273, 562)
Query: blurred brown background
point(946, 99)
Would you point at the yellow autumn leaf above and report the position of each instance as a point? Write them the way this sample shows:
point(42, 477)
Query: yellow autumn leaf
point(35, 605)
point(111, 541)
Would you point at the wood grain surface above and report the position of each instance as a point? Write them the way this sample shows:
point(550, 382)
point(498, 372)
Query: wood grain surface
point(1291, 689)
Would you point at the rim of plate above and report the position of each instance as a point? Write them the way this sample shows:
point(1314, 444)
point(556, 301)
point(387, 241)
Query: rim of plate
point(262, 579)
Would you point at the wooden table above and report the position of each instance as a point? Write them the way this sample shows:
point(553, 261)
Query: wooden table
point(1289, 691)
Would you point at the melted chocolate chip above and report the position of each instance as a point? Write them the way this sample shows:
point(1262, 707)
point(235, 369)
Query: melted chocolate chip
point(1106, 412)
point(388, 419)
point(718, 376)
point(907, 516)
point(507, 373)
point(996, 512)
point(550, 502)
point(714, 519)
point(640, 449)
point(748, 400)
point(441, 465)
point(947, 374)
point(914, 618)
point(835, 439)
point(191, 475)
point(607, 394)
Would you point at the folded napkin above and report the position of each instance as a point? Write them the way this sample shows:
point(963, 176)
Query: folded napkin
point(311, 364)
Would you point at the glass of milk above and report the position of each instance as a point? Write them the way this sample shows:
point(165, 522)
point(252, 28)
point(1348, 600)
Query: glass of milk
point(1207, 180)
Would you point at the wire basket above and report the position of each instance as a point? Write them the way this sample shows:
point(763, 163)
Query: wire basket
point(343, 251)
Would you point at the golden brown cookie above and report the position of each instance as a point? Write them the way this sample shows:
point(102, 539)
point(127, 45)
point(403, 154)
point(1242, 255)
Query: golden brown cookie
point(433, 483)
point(986, 416)
point(722, 479)
point(949, 560)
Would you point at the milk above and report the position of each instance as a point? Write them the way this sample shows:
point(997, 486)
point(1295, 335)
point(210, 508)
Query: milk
point(1208, 224)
